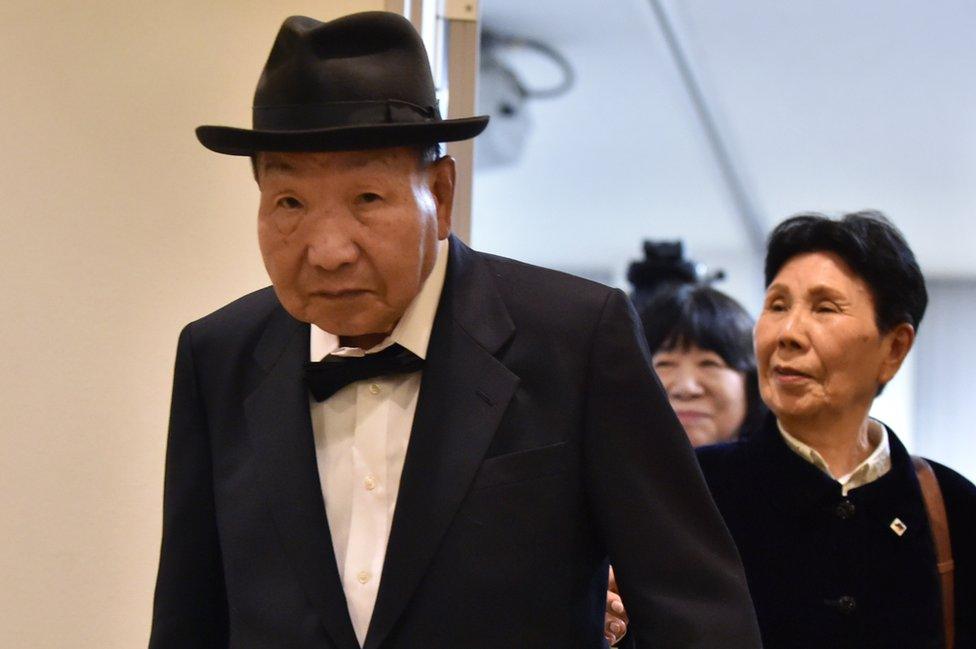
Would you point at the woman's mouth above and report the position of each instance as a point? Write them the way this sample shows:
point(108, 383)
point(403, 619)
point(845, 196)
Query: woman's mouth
point(789, 375)
point(690, 416)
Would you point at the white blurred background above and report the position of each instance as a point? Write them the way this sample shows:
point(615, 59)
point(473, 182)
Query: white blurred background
point(827, 105)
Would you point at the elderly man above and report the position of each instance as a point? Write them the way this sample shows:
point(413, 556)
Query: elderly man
point(406, 443)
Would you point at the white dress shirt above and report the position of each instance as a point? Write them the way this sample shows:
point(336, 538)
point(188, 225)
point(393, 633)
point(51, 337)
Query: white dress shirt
point(361, 437)
point(873, 467)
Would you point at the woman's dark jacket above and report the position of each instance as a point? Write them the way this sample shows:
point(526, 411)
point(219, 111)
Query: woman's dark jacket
point(827, 571)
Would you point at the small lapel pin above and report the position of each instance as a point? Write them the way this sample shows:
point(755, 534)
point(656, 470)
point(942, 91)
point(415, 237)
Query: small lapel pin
point(898, 527)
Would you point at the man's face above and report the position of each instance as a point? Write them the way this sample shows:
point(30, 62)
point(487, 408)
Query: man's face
point(349, 237)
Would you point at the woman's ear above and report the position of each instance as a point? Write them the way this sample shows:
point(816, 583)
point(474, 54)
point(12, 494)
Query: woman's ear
point(896, 345)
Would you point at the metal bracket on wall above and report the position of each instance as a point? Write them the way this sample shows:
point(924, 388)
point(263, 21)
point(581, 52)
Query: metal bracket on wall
point(461, 10)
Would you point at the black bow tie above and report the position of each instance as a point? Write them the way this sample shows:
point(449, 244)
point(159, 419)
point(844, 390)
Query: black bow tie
point(332, 373)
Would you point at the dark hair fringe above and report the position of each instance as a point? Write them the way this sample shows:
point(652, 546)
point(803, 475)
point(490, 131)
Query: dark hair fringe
point(873, 248)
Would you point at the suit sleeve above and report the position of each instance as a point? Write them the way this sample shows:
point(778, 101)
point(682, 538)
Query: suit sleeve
point(678, 571)
point(190, 606)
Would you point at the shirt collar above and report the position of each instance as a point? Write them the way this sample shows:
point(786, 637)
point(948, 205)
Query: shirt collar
point(873, 467)
point(413, 329)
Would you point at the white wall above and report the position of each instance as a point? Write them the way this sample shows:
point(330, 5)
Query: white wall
point(944, 394)
point(117, 228)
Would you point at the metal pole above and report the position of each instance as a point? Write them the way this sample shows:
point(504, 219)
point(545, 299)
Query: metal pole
point(745, 205)
point(412, 9)
point(461, 25)
point(424, 15)
point(417, 14)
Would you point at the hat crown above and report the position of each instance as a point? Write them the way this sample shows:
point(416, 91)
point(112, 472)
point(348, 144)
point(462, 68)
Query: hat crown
point(358, 82)
point(367, 57)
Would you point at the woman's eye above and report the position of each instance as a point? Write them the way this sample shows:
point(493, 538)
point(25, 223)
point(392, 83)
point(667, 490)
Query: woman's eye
point(289, 203)
point(660, 364)
point(777, 305)
point(826, 307)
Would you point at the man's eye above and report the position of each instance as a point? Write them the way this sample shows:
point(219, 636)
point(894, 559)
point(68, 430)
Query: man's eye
point(290, 203)
point(368, 197)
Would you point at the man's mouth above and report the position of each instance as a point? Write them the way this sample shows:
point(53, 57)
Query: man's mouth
point(338, 294)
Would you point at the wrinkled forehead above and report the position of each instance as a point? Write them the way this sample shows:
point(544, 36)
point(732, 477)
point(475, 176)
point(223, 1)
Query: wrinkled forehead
point(818, 271)
point(390, 160)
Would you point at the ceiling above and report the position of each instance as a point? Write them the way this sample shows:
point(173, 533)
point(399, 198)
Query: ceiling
point(829, 105)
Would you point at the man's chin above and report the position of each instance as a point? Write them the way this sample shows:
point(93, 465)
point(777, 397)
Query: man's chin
point(352, 327)
point(348, 319)
point(341, 317)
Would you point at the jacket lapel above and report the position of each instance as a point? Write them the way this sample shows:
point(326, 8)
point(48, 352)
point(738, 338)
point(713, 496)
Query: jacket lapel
point(464, 392)
point(280, 426)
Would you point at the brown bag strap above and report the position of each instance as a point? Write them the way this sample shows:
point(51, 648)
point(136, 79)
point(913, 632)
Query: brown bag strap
point(939, 522)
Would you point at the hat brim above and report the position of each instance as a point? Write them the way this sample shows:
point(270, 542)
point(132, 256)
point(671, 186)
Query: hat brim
point(241, 141)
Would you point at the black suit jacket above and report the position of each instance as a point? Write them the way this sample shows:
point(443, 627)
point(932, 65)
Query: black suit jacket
point(541, 444)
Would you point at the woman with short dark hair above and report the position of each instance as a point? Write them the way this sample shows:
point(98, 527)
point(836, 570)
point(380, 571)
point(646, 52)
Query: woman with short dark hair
point(839, 529)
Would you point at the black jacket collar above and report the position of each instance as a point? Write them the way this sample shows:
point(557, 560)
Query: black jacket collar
point(795, 485)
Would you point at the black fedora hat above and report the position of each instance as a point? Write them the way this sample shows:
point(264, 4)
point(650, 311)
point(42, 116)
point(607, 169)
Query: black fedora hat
point(358, 82)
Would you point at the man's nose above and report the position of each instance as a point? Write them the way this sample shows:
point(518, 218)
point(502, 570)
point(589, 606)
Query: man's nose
point(331, 245)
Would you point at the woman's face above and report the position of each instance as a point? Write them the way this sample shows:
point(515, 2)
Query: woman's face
point(708, 396)
point(820, 354)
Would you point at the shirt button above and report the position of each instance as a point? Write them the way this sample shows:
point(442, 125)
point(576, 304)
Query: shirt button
point(363, 576)
point(847, 604)
point(374, 389)
point(845, 510)
point(369, 483)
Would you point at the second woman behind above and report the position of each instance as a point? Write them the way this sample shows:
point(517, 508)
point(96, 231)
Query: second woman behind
point(701, 348)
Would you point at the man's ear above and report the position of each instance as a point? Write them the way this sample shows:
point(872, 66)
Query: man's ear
point(898, 342)
point(255, 161)
point(441, 176)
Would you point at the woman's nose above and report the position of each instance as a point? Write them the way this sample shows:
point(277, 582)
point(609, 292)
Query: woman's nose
point(685, 385)
point(792, 331)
